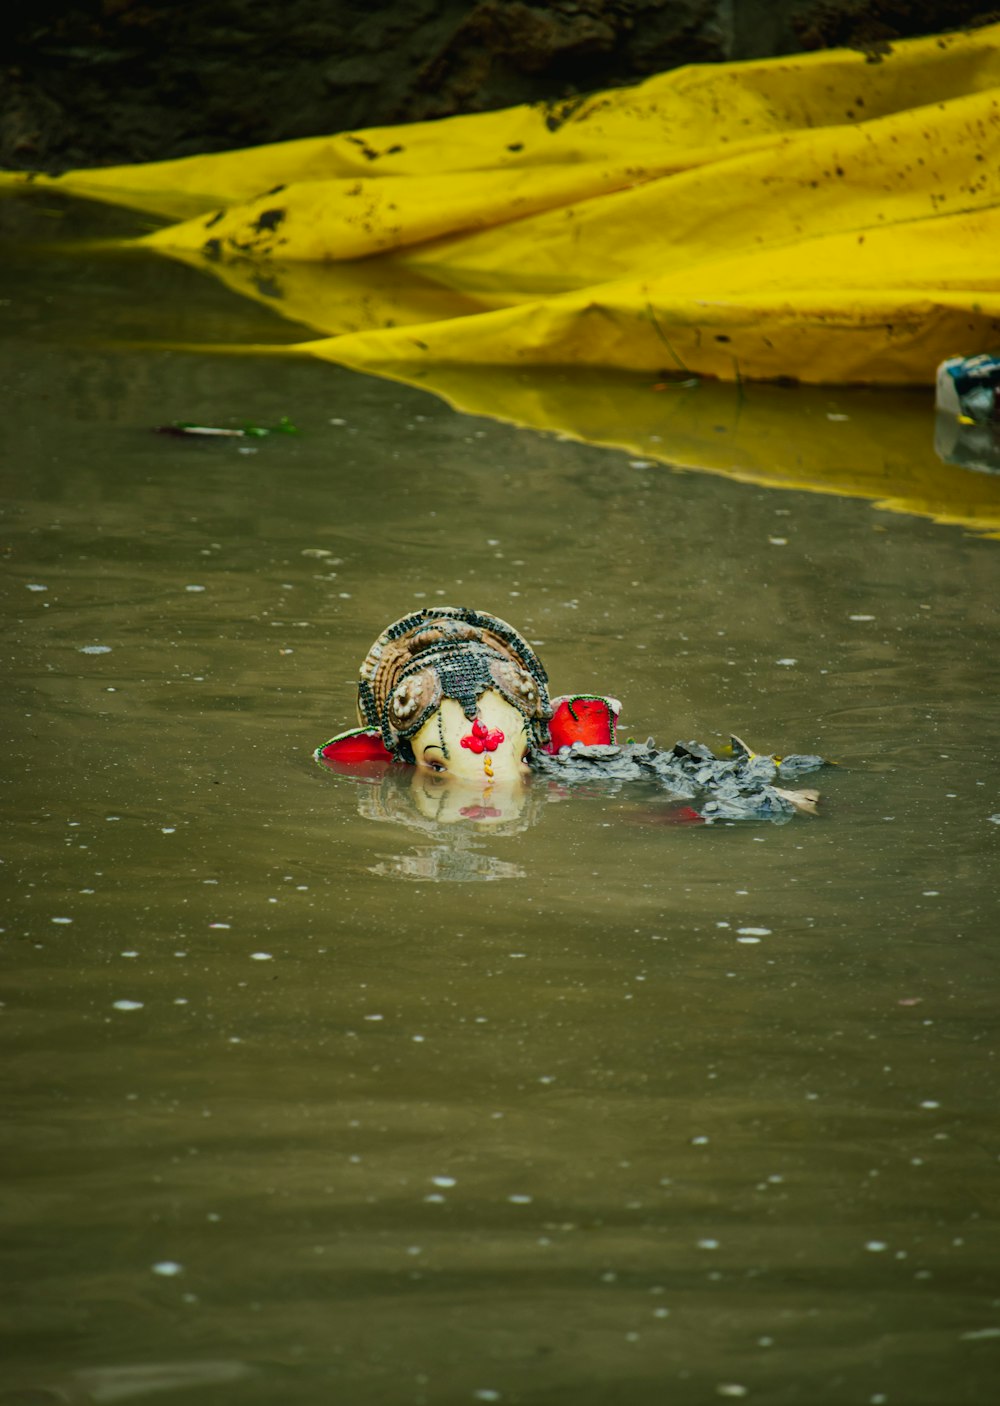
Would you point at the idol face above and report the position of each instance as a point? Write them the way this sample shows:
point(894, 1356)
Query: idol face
point(491, 750)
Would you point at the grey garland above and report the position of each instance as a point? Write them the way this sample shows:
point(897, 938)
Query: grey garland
point(742, 787)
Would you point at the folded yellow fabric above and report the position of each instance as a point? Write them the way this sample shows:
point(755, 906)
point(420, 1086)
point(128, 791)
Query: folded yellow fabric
point(823, 217)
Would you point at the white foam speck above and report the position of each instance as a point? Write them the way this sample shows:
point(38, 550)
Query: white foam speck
point(168, 1268)
point(128, 1005)
point(194, 588)
point(32, 586)
point(95, 649)
point(861, 617)
point(443, 1181)
point(62, 920)
point(876, 1246)
point(260, 956)
point(519, 1200)
point(754, 932)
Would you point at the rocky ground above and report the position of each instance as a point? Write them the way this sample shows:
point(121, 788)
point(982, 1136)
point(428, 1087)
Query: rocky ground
point(100, 82)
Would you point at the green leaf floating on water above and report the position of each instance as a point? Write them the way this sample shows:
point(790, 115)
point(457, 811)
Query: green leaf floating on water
point(183, 427)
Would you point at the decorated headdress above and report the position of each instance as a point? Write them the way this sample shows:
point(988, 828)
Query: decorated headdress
point(448, 651)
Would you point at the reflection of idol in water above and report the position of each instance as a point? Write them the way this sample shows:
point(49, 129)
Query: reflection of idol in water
point(454, 819)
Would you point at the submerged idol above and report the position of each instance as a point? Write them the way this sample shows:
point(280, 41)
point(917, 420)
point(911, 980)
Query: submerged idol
point(459, 694)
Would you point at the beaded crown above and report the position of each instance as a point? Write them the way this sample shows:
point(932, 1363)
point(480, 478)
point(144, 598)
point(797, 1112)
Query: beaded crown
point(448, 651)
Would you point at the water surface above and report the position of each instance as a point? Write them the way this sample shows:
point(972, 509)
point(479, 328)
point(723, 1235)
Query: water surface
point(312, 1098)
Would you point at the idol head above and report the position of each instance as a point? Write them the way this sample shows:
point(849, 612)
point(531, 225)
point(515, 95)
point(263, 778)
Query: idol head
point(456, 692)
point(494, 748)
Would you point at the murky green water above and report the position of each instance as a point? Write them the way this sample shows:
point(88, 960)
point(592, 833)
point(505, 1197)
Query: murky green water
point(310, 1099)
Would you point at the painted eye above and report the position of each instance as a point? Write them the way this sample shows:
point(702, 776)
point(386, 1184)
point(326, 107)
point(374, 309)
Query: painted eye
point(437, 766)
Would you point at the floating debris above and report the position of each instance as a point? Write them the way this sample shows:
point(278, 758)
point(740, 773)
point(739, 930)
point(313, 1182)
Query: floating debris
point(183, 429)
point(741, 786)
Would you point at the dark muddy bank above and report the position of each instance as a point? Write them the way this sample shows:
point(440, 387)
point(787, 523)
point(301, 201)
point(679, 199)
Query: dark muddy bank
point(106, 81)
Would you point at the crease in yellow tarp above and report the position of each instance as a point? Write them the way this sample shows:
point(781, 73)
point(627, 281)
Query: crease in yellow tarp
point(818, 217)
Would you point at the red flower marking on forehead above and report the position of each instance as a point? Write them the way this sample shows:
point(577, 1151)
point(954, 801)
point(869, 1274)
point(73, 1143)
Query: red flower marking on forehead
point(482, 738)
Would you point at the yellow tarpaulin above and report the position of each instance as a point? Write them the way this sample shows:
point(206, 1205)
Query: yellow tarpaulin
point(822, 217)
